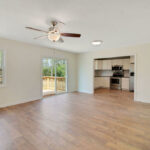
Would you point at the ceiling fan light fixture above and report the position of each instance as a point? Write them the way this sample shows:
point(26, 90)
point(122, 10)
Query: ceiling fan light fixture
point(54, 35)
point(97, 42)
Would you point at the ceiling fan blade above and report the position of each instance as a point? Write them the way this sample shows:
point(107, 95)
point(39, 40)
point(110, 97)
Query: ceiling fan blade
point(71, 34)
point(61, 40)
point(40, 37)
point(36, 29)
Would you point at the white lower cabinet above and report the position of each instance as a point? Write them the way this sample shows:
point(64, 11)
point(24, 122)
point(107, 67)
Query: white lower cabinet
point(106, 82)
point(96, 82)
point(125, 83)
point(102, 82)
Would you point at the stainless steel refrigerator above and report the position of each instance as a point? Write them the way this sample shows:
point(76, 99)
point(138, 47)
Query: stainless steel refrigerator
point(131, 81)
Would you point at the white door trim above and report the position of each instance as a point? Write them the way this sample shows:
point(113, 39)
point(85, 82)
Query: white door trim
point(135, 72)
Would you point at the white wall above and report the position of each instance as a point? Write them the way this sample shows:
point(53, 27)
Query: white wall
point(85, 69)
point(23, 70)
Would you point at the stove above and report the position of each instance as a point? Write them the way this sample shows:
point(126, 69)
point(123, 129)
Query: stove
point(115, 83)
point(116, 79)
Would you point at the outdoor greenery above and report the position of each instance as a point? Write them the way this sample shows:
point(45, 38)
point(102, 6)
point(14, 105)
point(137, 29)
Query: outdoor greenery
point(49, 69)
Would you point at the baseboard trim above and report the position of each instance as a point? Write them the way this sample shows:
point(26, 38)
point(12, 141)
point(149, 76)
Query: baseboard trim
point(20, 102)
point(24, 101)
point(142, 101)
point(87, 92)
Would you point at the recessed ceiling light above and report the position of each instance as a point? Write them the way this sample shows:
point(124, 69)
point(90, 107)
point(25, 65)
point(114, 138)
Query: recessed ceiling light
point(97, 42)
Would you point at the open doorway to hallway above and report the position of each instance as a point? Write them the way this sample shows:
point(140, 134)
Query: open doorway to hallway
point(115, 73)
point(54, 76)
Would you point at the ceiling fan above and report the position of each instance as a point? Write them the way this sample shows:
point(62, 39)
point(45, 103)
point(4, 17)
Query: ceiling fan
point(53, 33)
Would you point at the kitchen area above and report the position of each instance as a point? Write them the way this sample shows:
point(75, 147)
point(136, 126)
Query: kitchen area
point(114, 73)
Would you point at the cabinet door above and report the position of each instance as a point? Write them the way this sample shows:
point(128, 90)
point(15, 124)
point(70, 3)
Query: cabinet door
point(98, 64)
point(102, 82)
point(106, 65)
point(95, 64)
point(109, 64)
point(120, 62)
point(98, 82)
point(114, 62)
point(105, 81)
point(117, 62)
point(125, 83)
point(131, 59)
point(95, 82)
point(126, 64)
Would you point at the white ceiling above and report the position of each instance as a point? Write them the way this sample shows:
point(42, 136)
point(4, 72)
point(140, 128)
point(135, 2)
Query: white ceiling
point(118, 23)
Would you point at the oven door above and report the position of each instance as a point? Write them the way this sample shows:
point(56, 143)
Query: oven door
point(115, 83)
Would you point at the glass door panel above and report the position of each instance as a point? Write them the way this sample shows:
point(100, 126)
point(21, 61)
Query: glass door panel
point(61, 74)
point(48, 76)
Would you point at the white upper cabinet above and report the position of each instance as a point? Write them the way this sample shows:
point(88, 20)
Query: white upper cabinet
point(117, 62)
point(126, 64)
point(98, 64)
point(131, 59)
point(107, 65)
point(120, 62)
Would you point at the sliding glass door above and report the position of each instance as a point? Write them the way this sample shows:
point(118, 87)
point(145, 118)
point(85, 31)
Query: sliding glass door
point(54, 76)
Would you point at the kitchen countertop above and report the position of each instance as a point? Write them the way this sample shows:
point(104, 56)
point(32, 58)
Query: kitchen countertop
point(110, 76)
point(102, 76)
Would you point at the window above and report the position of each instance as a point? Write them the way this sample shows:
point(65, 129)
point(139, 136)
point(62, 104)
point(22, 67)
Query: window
point(1, 68)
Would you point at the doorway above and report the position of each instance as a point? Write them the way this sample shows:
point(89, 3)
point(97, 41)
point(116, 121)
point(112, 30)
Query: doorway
point(116, 74)
point(54, 76)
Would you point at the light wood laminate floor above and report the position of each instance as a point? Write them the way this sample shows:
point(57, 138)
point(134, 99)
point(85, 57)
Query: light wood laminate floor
point(107, 120)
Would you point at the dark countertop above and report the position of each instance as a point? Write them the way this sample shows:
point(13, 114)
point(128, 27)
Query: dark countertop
point(110, 76)
point(103, 76)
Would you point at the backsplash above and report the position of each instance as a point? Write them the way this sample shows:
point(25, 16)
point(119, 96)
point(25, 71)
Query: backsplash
point(99, 73)
point(109, 73)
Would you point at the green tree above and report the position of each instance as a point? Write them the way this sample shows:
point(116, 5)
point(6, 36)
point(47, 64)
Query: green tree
point(49, 69)
point(60, 70)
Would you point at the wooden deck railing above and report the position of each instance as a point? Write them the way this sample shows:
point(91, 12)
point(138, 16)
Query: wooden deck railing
point(1, 79)
point(49, 83)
